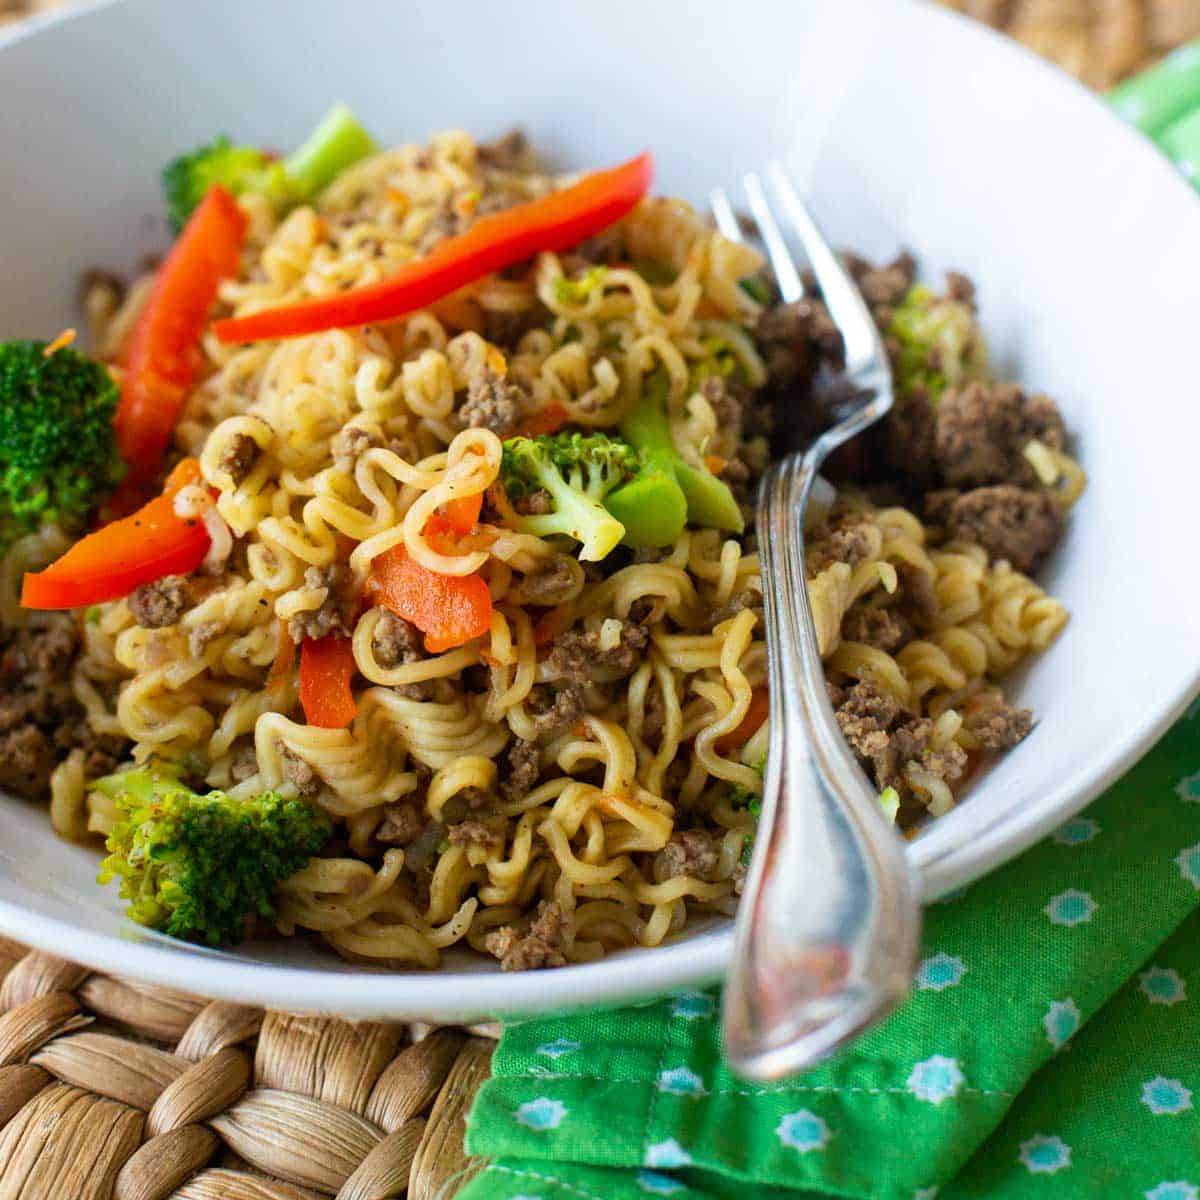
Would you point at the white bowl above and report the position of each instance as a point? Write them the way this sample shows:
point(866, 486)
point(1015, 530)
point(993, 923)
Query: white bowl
point(912, 127)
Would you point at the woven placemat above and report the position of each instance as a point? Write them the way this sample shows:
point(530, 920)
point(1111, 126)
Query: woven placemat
point(115, 1090)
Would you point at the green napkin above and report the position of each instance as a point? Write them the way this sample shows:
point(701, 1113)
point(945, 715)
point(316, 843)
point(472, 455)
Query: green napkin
point(1051, 1047)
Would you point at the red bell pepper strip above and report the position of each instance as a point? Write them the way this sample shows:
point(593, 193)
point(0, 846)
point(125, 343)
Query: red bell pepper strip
point(160, 364)
point(749, 725)
point(111, 562)
point(555, 222)
point(448, 609)
point(326, 669)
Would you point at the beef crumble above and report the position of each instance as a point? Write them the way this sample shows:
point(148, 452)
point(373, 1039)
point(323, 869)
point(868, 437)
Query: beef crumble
point(690, 852)
point(554, 710)
point(524, 765)
point(239, 456)
point(1009, 522)
point(332, 614)
point(493, 402)
point(299, 773)
point(981, 430)
point(161, 603)
point(887, 739)
point(542, 946)
point(396, 641)
point(41, 721)
point(577, 657)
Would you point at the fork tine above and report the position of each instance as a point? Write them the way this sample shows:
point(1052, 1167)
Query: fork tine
point(726, 218)
point(786, 276)
point(838, 289)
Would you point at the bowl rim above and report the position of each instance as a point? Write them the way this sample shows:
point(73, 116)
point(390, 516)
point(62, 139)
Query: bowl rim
point(950, 855)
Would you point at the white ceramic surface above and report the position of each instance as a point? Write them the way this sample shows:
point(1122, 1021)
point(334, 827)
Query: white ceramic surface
point(913, 127)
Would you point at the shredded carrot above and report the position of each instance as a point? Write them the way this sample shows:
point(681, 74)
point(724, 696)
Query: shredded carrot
point(285, 658)
point(756, 714)
point(63, 340)
point(715, 463)
point(546, 420)
point(449, 609)
point(398, 198)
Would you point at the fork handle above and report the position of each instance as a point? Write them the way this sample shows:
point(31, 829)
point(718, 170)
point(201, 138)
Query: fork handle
point(829, 922)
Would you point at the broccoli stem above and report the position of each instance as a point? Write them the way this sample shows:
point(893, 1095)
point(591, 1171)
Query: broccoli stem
point(652, 507)
point(589, 523)
point(709, 502)
point(338, 142)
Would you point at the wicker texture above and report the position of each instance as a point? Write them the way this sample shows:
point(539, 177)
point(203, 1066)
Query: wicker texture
point(113, 1090)
point(1099, 41)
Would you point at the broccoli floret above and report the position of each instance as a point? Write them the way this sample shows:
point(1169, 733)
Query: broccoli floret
point(203, 867)
point(708, 500)
point(337, 142)
point(578, 470)
point(940, 344)
point(238, 168)
point(58, 451)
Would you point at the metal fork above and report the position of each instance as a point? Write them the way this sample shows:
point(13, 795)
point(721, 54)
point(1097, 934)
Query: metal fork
point(829, 922)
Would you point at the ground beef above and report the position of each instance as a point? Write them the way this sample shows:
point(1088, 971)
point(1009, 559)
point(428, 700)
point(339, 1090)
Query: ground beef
point(916, 595)
point(982, 428)
point(475, 833)
point(332, 614)
point(883, 287)
point(440, 691)
point(553, 581)
point(40, 719)
point(239, 456)
point(554, 710)
point(887, 738)
point(879, 627)
point(161, 603)
point(402, 822)
point(299, 773)
point(511, 152)
point(535, 504)
point(997, 724)
point(396, 641)
point(849, 542)
point(793, 337)
point(725, 403)
point(692, 852)
point(1009, 522)
point(493, 402)
point(447, 222)
point(576, 656)
point(350, 443)
point(542, 946)
point(27, 758)
point(524, 766)
point(960, 288)
point(936, 504)
point(903, 442)
point(202, 634)
point(750, 598)
point(244, 764)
